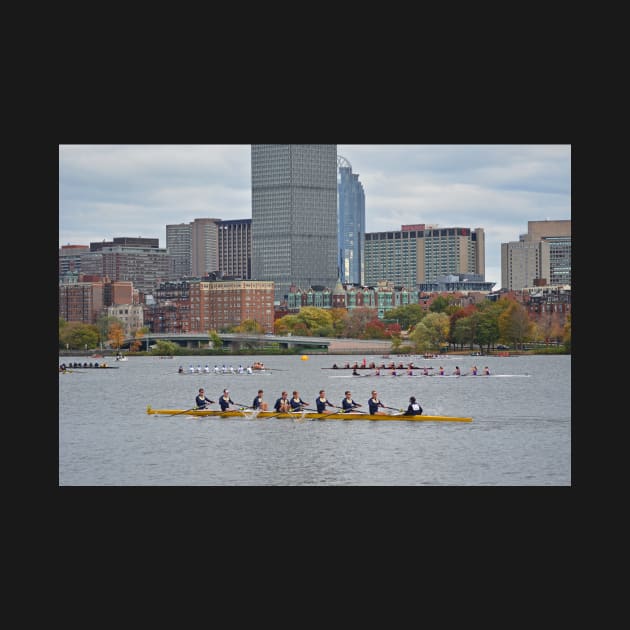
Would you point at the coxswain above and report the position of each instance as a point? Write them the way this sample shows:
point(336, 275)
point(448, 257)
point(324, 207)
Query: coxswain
point(414, 408)
point(486, 371)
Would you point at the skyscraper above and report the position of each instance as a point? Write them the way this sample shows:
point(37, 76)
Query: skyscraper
point(351, 224)
point(294, 215)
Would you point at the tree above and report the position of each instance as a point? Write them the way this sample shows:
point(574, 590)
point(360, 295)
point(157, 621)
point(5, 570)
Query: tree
point(515, 325)
point(250, 326)
point(431, 332)
point(78, 335)
point(314, 318)
point(339, 316)
point(215, 340)
point(103, 323)
point(115, 335)
point(357, 321)
point(375, 329)
point(441, 304)
point(408, 315)
point(139, 335)
point(566, 339)
point(462, 331)
point(165, 348)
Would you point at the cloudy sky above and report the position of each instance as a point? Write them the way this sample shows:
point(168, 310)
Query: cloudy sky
point(108, 191)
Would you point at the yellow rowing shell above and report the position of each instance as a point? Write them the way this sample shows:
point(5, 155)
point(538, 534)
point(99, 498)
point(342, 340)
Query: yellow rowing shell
point(310, 415)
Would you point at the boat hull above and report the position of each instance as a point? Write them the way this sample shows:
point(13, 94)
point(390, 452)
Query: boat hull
point(251, 414)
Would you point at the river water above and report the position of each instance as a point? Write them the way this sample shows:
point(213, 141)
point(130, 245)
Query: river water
point(520, 434)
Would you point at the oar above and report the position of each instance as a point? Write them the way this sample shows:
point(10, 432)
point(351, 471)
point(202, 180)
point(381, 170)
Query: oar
point(185, 411)
point(352, 410)
point(393, 408)
point(244, 406)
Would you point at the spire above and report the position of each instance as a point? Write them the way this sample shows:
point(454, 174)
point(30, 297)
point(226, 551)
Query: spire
point(339, 290)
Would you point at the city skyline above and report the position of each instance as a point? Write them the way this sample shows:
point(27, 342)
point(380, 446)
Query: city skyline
point(108, 191)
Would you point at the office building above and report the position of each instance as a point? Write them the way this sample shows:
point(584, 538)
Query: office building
point(419, 254)
point(351, 216)
point(178, 245)
point(294, 215)
point(204, 250)
point(542, 256)
point(235, 248)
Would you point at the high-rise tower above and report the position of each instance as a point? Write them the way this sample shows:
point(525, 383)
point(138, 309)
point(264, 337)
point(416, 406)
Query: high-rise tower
point(294, 215)
point(351, 224)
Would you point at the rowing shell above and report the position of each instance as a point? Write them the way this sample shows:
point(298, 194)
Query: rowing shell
point(405, 375)
point(250, 414)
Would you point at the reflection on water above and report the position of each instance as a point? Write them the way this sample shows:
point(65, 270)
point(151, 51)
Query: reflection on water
point(520, 434)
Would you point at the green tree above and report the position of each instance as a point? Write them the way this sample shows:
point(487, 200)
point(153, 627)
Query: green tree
point(315, 318)
point(457, 315)
point(165, 348)
point(487, 329)
point(77, 335)
point(215, 340)
point(431, 332)
point(441, 304)
point(407, 316)
point(462, 332)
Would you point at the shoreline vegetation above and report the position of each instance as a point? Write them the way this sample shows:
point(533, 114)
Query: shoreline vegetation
point(205, 352)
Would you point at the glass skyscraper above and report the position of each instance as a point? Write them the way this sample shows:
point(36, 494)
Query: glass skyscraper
point(294, 215)
point(351, 225)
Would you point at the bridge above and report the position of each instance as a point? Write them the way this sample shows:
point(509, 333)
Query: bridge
point(236, 341)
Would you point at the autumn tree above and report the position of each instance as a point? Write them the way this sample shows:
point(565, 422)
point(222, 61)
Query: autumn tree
point(250, 326)
point(115, 335)
point(566, 333)
point(515, 325)
point(459, 335)
point(103, 324)
point(136, 344)
point(357, 321)
point(339, 316)
point(375, 329)
point(315, 320)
